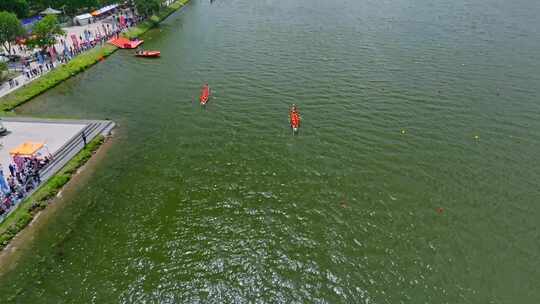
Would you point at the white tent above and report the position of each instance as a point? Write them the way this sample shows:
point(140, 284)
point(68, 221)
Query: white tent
point(104, 10)
point(51, 11)
point(83, 19)
point(108, 8)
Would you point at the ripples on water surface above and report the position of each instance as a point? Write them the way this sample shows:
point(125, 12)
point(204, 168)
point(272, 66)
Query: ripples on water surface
point(223, 205)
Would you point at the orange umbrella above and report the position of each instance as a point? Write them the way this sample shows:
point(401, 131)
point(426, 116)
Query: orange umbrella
point(27, 149)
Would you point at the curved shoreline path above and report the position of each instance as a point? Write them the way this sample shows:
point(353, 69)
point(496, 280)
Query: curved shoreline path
point(412, 179)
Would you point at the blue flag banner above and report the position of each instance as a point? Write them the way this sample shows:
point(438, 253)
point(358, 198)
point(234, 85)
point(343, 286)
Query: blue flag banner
point(3, 184)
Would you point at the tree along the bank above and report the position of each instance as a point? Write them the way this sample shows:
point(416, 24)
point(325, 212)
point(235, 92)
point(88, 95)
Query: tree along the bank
point(4, 73)
point(44, 32)
point(10, 29)
point(22, 8)
point(148, 7)
point(18, 7)
point(71, 7)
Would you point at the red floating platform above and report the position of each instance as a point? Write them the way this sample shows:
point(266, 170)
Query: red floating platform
point(125, 43)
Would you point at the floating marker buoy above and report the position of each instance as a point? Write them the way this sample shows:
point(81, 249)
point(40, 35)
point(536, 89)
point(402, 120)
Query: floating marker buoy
point(403, 132)
point(476, 137)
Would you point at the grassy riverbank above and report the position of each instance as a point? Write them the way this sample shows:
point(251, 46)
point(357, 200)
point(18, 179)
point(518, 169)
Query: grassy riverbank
point(39, 200)
point(53, 78)
point(80, 63)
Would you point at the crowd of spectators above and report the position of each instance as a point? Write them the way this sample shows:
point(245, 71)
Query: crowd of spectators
point(34, 63)
point(22, 178)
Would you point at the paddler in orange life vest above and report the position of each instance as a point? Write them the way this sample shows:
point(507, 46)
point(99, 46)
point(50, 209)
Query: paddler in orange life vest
point(205, 94)
point(295, 116)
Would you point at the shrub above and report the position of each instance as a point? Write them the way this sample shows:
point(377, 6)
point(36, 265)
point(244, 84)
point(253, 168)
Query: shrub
point(3, 72)
point(24, 220)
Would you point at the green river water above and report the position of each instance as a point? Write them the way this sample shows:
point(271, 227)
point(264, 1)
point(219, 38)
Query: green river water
point(224, 205)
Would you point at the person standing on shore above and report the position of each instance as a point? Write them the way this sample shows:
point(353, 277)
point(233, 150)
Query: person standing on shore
point(3, 184)
point(12, 169)
point(83, 138)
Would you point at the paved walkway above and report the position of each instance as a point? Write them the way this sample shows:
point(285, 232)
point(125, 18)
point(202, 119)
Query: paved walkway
point(20, 80)
point(62, 137)
point(53, 135)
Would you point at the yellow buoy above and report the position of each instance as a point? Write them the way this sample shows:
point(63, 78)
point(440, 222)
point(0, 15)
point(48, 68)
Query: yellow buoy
point(402, 131)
